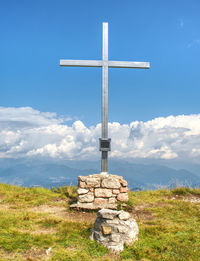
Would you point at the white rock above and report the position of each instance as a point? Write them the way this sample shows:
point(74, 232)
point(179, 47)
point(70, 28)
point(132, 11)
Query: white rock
point(122, 229)
point(124, 215)
point(107, 213)
point(103, 192)
point(119, 231)
point(89, 197)
point(93, 182)
point(115, 237)
point(123, 182)
point(116, 248)
point(122, 197)
point(48, 250)
point(101, 201)
point(112, 221)
point(82, 178)
point(82, 191)
point(111, 183)
point(100, 237)
point(116, 191)
point(112, 200)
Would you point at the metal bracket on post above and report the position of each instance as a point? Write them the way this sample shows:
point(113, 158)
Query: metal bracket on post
point(104, 147)
point(105, 144)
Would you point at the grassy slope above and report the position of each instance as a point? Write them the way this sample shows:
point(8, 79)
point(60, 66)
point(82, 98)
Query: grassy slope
point(33, 220)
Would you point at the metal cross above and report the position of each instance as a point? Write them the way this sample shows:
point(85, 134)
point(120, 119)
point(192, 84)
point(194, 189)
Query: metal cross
point(105, 64)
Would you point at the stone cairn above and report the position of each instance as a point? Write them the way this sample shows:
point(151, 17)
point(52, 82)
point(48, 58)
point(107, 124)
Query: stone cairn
point(114, 228)
point(100, 191)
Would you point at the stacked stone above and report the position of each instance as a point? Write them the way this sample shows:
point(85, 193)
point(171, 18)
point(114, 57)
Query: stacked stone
point(101, 191)
point(114, 228)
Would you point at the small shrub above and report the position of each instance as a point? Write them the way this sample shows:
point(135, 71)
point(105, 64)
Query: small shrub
point(126, 206)
point(69, 191)
point(183, 191)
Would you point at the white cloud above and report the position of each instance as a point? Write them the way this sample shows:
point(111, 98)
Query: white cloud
point(180, 23)
point(195, 42)
point(25, 132)
point(17, 118)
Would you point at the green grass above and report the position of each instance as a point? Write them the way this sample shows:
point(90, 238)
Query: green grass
point(33, 220)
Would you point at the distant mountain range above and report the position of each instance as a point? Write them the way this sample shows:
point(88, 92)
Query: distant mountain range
point(58, 173)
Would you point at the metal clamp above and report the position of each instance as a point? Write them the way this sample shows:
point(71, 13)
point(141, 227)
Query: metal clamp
point(105, 144)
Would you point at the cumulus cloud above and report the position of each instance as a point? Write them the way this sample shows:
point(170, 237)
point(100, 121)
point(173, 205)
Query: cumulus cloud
point(17, 118)
point(195, 42)
point(25, 132)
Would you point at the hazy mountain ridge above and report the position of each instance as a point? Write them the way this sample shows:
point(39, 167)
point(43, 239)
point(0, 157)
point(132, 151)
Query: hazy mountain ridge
point(58, 173)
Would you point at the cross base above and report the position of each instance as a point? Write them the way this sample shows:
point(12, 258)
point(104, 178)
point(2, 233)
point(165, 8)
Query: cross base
point(99, 191)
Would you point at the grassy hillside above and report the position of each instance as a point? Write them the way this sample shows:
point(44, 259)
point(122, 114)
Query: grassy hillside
point(37, 224)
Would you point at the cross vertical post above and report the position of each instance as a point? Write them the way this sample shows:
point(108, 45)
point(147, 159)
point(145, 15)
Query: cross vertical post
point(104, 131)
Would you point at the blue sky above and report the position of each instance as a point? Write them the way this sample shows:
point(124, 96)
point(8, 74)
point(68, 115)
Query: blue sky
point(52, 111)
point(35, 35)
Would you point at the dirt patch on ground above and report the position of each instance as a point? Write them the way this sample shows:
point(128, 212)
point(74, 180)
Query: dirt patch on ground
point(2, 197)
point(143, 206)
point(188, 198)
point(162, 204)
point(30, 255)
point(81, 216)
point(64, 213)
point(141, 212)
point(52, 210)
point(39, 231)
point(192, 199)
point(60, 202)
point(36, 254)
point(142, 215)
point(4, 206)
point(6, 254)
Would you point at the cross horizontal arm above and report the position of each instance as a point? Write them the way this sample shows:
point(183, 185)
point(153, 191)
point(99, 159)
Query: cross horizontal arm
point(80, 63)
point(99, 63)
point(122, 64)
